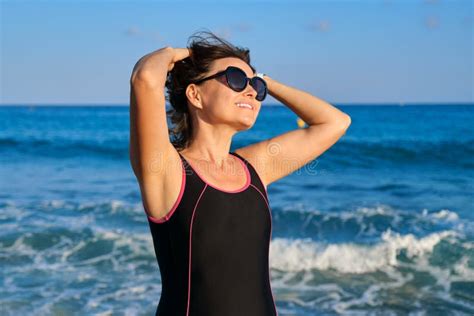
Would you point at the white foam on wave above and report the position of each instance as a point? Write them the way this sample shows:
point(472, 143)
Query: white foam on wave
point(295, 258)
point(443, 214)
point(115, 205)
point(371, 296)
point(361, 213)
point(380, 209)
point(305, 254)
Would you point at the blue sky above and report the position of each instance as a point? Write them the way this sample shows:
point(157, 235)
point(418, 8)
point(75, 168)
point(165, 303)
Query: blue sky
point(369, 52)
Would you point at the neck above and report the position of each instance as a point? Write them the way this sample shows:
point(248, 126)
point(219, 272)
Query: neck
point(211, 146)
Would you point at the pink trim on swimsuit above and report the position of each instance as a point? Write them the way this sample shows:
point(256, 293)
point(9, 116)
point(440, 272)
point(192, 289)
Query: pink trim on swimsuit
point(269, 212)
point(176, 203)
point(247, 172)
point(190, 248)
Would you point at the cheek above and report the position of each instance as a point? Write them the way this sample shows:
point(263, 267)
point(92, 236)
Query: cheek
point(221, 105)
point(220, 94)
point(224, 98)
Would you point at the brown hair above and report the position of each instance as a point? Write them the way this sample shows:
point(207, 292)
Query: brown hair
point(205, 50)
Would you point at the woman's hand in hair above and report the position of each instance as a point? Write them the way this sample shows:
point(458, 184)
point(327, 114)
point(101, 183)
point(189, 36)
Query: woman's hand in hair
point(179, 54)
point(155, 65)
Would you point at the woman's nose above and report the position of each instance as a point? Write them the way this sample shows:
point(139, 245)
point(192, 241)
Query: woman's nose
point(249, 90)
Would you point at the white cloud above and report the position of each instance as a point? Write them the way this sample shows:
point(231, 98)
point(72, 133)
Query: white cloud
point(224, 33)
point(319, 26)
point(432, 22)
point(243, 27)
point(133, 31)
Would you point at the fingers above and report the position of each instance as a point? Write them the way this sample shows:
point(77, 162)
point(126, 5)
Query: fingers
point(181, 53)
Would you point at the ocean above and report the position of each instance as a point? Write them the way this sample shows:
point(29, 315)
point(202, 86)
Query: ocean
point(382, 223)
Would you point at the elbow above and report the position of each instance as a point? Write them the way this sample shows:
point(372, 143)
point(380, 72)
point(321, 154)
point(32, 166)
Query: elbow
point(348, 121)
point(345, 121)
point(344, 124)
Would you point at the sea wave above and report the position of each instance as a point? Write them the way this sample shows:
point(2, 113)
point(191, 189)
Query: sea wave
point(68, 250)
point(356, 153)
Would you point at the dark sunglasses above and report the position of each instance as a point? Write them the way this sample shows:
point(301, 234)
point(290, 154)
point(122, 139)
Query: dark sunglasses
point(237, 81)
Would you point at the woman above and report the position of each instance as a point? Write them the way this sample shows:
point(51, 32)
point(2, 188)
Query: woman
point(207, 208)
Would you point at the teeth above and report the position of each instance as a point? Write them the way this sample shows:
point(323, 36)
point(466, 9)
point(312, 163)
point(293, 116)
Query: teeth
point(244, 105)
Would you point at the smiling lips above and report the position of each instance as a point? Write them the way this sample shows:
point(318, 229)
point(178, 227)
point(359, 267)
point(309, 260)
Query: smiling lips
point(244, 105)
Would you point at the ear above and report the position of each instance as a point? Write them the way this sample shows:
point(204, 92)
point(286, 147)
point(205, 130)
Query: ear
point(194, 95)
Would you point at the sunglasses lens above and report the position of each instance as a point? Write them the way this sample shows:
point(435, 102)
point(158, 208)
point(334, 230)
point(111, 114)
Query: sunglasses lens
point(259, 85)
point(237, 80)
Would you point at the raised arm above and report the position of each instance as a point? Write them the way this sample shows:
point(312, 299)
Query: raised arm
point(149, 139)
point(281, 155)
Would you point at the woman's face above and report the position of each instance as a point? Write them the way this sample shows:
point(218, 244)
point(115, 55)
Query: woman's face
point(219, 102)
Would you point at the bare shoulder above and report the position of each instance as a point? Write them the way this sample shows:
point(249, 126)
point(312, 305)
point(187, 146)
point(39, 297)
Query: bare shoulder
point(253, 154)
point(160, 189)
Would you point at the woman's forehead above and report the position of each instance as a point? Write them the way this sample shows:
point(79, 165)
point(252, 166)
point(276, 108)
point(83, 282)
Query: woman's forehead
point(223, 63)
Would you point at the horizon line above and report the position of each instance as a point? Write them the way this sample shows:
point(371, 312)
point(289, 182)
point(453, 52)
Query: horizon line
point(263, 105)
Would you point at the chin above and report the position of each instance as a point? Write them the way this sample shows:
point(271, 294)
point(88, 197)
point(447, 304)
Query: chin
point(244, 127)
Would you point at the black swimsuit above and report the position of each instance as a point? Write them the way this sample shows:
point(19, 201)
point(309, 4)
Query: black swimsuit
point(212, 249)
